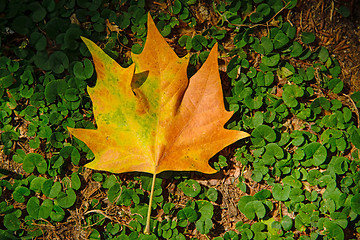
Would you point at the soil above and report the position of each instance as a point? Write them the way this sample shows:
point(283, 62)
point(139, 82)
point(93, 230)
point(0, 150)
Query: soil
point(341, 36)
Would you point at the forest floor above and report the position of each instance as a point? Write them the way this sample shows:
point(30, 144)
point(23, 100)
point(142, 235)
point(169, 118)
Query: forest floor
point(341, 36)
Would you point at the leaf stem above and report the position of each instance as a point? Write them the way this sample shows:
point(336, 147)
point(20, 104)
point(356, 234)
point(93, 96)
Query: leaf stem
point(147, 227)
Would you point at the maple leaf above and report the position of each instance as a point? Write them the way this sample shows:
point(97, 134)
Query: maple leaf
point(150, 117)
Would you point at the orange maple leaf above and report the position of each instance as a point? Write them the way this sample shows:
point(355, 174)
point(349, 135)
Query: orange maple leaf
point(150, 117)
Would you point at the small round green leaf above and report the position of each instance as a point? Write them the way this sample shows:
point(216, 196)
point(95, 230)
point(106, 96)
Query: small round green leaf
point(186, 215)
point(280, 39)
point(11, 222)
point(293, 182)
point(136, 48)
point(323, 54)
point(114, 192)
point(75, 181)
point(203, 225)
point(38, 13)
point(51, 189)
point(290, 93)
point(45, 209)
point(271, 60)
point(95, 235)
point(262, 194)
point(296, 50)
point(72, 152)
point(316, 151)
point(314, 177)
point(72, 34)
point(289, 30)
point(273, 150)
point(41, 164)
point(66, 200)
point(243, 201)
point(307, 37)
point(254, 208)
point(333, 231)
point(57, 214)
point(97, 177)
point(355, 203)
point(37, 183)
point(281, 193)
point(254, 102)
point(212, 194)
point(34, 159)
point(190, 187)
point(38, 40)
point(176, 8)
point(205, 208)
point(198, 42)
point(19, 193)
point(286, 223)
point(336, 85)
point(256, 17)
point(71, 94)
point(355, 138)
point(33, 207)
point(263, 9)
point(54, 89)
point(58, 61)
point(262, 133)
point(19, 156)
point(83, 70)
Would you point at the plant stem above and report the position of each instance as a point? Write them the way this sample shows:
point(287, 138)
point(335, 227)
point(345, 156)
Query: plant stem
point(147, 227)
point(280, 209)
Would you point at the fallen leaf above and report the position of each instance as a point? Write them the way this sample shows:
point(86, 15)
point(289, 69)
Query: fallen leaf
point(112, 27)
point(150, 117)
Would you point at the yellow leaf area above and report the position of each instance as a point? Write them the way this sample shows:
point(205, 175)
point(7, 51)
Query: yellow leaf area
point(150, 117)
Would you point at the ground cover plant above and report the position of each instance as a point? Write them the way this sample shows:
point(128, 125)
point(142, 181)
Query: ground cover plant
point(296, 177)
